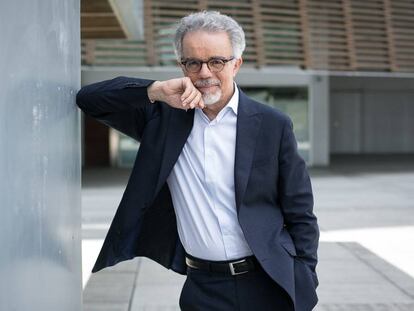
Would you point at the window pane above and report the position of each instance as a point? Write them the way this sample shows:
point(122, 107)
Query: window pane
point(293, 102)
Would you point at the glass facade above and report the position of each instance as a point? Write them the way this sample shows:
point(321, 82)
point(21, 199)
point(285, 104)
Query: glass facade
point(127, 150)
point(294, 102)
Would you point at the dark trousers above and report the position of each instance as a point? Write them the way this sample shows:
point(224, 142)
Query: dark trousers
point(252, 291)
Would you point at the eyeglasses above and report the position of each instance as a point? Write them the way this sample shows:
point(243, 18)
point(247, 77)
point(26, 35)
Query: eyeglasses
point(214, 64)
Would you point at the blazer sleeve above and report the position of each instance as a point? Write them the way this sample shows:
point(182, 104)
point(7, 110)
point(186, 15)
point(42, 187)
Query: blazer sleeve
point(121, 103)
point(296, 199)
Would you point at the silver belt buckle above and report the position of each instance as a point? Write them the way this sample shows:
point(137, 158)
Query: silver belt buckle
point(188, 262)
point(232, 267)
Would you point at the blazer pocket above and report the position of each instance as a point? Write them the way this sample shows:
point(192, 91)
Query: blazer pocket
point(312, 274)
point(290, 248)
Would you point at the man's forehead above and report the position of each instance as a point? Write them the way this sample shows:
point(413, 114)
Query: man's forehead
point(210, 58)
point(196, 34)
point(212, 43)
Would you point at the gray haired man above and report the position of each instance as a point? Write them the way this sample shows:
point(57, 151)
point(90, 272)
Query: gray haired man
point(218, 191)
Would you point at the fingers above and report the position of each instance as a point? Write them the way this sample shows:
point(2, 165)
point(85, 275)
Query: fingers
point(191, 101)
point(196, 101)
point(191, 97)
point(188, 88)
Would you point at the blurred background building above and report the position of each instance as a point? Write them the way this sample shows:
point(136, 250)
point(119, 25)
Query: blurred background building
point(342, 69)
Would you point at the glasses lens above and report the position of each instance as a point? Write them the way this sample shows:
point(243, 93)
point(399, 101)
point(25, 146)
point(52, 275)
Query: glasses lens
point(215, 64)
point(193, 65)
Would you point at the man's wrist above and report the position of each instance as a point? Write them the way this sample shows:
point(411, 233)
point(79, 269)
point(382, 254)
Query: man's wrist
point(152, 91)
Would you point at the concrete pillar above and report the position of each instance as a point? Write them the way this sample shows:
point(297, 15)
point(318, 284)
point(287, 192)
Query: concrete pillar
point(319, 120)
point(40, 233)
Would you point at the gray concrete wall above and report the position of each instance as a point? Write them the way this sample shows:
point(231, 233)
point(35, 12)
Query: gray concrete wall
point(319, 120)
point(40, 256)
point(371, 115)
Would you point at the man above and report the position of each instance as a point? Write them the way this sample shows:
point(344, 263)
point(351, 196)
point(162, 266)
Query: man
point(218, 190)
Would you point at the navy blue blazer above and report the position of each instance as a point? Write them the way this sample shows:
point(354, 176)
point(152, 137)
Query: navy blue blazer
point(272, 188)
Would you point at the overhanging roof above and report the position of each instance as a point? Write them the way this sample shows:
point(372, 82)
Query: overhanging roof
point(111, 19)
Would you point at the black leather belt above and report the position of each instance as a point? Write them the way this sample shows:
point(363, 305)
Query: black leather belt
point(234, 267)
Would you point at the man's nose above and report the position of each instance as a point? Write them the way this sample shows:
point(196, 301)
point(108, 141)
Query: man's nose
point(204, 71)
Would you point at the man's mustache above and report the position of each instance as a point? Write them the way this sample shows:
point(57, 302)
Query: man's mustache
point(207, 82)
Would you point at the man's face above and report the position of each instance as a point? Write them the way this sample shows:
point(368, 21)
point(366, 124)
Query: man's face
point(216, 87)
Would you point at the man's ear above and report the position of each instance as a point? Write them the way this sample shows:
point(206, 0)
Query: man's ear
point(237, 65)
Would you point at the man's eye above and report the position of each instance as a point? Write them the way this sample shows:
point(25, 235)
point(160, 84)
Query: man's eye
point(193, 63)
point(216, 62)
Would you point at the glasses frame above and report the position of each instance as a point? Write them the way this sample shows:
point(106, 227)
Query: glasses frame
point(201, 62)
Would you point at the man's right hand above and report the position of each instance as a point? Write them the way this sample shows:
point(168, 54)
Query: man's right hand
point(178, 93)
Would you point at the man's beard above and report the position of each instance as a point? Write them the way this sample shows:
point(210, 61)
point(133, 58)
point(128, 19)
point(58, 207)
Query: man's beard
point(209, 98)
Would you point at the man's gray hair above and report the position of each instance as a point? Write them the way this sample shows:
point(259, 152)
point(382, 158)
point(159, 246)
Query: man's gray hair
point(210, 21)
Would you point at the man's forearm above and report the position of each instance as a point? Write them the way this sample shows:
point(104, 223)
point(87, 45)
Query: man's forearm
point(112, 96)
point(120, 103)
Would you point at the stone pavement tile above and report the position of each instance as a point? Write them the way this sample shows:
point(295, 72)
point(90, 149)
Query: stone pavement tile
point(358, 218)
point(109, 287)
point(362, 193)
point(360, 280)
point(331, 252)
point(365, 307)
point(157, 308)
point(112, 286)
point(105, 306)
point(152, 273)
point(389, 272)
point(157, 288)
point(156, 297)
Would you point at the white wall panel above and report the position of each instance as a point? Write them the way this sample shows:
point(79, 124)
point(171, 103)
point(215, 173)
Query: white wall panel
point(388, 122)
point(345, 122)
point(372, 115)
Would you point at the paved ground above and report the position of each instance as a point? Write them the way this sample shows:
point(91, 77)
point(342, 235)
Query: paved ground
point(365, 208)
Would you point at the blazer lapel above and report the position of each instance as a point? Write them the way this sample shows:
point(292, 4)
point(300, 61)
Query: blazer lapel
point(179, 128)
point(248, 125)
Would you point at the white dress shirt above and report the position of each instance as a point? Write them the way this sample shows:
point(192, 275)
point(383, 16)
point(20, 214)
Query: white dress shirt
point(202, 188)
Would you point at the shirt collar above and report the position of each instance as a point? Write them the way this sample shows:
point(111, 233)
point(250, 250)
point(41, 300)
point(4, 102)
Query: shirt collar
point(234, 100)
point(233, 104)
